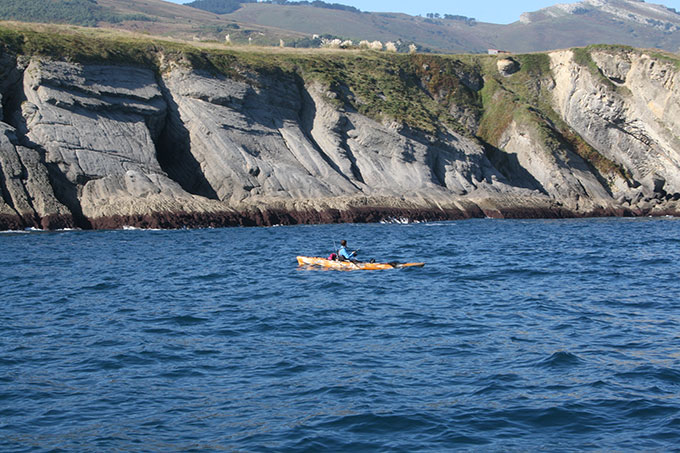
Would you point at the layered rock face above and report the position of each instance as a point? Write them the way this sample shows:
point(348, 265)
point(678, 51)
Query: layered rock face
point(282, 143)
point(630, 112)
point(103, 146)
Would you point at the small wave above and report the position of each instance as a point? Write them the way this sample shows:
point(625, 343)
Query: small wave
point(504, 377)
point(561, 359)
point(492, 389)
point(102, 286)
point(182, 373)
point(287, 368)
point(211, 276)
point(227, 333)
point(106, 343)
point(564, 418)
point(527, 340)
point(663, 374)
point(186, 320)
point(206, 352)
point(10, 362)
point(674, 423)
point(91, 365)
point(649, 409)
point(158, 357)
point(159, 331)
point(381, 423)
point(132, 359)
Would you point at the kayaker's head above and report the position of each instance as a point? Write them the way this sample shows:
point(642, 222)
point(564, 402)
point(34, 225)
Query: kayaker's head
point(343, 243)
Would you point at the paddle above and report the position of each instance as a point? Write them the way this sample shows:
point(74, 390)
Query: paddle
point(353, 255)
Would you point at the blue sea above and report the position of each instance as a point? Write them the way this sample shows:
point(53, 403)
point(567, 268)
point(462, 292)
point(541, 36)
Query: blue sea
point(517, 335)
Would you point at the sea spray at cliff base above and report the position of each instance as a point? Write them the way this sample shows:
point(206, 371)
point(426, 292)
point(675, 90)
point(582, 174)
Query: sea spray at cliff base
point(516, 335)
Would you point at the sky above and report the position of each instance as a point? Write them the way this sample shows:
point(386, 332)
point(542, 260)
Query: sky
point(494, 11)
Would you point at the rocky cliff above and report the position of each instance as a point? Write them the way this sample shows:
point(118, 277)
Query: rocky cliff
point(105, 134)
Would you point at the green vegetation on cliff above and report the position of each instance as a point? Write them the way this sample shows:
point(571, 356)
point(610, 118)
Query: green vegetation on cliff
point(523, 98)
point(583, 56)
point(80, 46)
point(520, 98)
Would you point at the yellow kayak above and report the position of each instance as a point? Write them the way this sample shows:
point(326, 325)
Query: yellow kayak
point(349, 265)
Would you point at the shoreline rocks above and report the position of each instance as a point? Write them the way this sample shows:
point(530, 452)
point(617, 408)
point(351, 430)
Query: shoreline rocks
point(275, 217)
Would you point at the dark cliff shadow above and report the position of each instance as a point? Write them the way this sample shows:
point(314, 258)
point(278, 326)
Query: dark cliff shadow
point(8, 86)
point(304, 117)
point(5, 196)
point(437, 159)
point(65, 191)
point(578, 162)
point(173, 151)
point(354, 167)
point(509, 166)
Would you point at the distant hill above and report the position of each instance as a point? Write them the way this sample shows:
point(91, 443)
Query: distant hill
point(229, 6)
point(184, 22)
point(629, 22)
point(76, 12)
point(219, 6)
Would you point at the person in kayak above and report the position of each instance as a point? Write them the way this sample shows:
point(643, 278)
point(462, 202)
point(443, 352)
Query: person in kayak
point(343, 254)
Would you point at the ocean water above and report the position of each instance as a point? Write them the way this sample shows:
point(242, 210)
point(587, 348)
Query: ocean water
point(530, 335)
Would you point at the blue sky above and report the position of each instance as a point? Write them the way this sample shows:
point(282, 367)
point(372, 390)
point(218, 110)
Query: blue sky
point(496, 11)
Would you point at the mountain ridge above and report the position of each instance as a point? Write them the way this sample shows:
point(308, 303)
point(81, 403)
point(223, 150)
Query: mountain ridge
point(639, 11)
